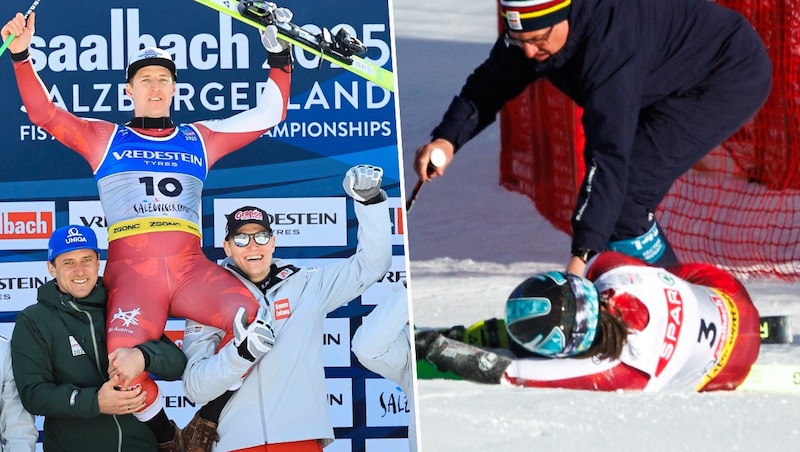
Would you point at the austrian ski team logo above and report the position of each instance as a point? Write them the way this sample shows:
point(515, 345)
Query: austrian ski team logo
point(128, 318)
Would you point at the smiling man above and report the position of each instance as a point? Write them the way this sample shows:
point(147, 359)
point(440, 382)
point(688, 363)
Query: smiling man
point(661, 83)
point(280, 406)
point(60, 359)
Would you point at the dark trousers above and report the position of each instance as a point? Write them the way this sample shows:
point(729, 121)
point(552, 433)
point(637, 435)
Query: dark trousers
point(678, 131)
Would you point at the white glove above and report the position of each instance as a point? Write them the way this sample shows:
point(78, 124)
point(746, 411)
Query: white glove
point(363, 182)
point(255, 340)
point(269, 36)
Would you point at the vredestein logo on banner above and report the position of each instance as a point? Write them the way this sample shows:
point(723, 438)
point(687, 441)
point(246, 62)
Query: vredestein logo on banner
point(19, 282)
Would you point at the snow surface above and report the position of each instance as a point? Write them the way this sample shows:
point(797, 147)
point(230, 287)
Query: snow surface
point(472, 242)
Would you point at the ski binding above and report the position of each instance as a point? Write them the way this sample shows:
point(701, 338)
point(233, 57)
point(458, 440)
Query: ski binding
point(342, 46)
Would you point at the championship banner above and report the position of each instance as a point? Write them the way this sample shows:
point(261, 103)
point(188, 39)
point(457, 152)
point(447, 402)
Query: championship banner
point(336, 118)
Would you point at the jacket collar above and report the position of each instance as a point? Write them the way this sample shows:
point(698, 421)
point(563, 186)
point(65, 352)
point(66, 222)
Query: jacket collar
point(50, 294)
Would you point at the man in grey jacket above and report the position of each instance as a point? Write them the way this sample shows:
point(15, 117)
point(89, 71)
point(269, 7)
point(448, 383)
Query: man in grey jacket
point(17, 431)
point(281, 402)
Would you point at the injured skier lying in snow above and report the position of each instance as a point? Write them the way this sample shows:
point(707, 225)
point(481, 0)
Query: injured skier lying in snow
point(626, 325)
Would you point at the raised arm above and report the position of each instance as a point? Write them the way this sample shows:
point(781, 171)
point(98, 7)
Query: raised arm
point(85, 136)
point(223, 136)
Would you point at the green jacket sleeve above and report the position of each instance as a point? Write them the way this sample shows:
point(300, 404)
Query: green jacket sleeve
point(165, 359)
point(35, 375)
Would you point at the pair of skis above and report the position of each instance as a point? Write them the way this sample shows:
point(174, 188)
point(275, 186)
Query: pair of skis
point(340, 48)
point(491, 334)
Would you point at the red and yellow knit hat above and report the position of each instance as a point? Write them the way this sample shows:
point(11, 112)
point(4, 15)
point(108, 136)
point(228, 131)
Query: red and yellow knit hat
point(530, 15)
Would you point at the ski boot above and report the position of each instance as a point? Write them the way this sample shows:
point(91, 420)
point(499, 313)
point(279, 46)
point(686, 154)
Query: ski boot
point(423, 337)
point(468, 362)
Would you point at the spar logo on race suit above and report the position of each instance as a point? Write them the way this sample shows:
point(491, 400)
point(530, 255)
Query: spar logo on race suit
point(673, 331)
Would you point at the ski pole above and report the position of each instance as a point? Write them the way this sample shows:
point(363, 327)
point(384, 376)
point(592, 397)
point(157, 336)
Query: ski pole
point(413, 197)
point(11, 36)
point(437, 159)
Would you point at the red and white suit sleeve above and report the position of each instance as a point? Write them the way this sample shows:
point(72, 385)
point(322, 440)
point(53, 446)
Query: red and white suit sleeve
point(223, 136)
point(87, 137)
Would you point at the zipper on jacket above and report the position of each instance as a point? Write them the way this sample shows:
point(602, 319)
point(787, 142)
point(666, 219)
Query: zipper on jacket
point(97, 365)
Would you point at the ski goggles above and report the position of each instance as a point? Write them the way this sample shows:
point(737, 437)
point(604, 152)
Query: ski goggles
point(261, 238)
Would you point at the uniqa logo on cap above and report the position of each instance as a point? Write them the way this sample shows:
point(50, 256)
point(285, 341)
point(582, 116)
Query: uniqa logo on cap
point(75, 236)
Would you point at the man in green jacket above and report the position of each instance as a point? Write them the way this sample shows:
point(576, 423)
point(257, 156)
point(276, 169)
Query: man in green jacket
point(61, 363)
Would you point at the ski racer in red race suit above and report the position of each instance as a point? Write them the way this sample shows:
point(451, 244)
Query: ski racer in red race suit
point(150, 175)
point(627, 325)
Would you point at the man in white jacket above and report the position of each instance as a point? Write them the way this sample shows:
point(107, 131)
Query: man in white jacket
point(282, 401)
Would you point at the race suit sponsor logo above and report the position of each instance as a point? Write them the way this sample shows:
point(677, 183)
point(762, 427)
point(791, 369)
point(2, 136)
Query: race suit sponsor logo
point(143, 154)
point(673, 331)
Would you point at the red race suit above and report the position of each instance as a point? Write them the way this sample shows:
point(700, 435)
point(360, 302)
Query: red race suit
point(150, 184)
point(691, 328)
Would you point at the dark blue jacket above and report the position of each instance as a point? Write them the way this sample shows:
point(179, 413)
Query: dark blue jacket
point(620, 57)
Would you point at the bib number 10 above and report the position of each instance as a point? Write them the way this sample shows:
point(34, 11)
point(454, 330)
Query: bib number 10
point(168, 186)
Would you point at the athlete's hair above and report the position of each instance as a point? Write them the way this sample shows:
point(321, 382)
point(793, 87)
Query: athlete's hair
point(611, 337)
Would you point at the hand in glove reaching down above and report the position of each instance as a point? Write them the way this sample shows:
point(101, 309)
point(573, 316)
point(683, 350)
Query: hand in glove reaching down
point(256, 339)
point(363, 183)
